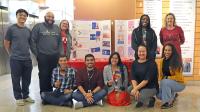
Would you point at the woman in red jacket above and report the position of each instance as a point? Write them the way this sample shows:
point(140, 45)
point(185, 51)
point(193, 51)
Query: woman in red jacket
point(172, 33)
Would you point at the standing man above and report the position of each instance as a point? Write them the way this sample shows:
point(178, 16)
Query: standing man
point(90, 85)
point(17, 44)
point(45, 44)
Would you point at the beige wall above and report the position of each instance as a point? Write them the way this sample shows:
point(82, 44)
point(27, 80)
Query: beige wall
point(104, 9)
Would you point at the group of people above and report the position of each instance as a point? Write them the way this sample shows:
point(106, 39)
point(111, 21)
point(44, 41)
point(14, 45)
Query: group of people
point(81, 88)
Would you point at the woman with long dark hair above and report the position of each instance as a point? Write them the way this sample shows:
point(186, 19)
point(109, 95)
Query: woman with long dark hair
point(172, 80)
point(144, 34)
point(116, 81)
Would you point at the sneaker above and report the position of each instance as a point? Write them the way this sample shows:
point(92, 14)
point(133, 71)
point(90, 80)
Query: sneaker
point(20, 102)
point(139, 104)
point(77, 104)
point(100, 103)
point(29, 99)
point(166, 105)
point(151, 102)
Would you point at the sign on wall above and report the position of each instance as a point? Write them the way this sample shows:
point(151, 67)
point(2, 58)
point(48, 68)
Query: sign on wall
point(91, 37)
point(184, 11)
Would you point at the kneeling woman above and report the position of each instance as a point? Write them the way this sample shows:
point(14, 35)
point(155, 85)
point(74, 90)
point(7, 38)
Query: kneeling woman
point(116, 81)
point(171, 77)
point(144, 79)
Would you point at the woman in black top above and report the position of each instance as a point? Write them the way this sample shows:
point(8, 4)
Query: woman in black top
point(144, 78)
point(144, 34)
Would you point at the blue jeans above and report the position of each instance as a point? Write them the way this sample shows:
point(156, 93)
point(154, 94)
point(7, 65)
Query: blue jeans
point(21, 73)
point(57, 98)
point(78, 96)
point(168, 89)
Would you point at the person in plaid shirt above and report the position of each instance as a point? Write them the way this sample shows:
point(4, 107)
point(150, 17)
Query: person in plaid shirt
point(63, 80)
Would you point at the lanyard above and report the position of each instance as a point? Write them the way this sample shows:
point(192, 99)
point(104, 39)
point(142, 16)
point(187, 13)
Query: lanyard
point(89, 79)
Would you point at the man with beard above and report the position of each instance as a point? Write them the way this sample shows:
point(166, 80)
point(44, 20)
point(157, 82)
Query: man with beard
point(90, 85)
point(45, 44)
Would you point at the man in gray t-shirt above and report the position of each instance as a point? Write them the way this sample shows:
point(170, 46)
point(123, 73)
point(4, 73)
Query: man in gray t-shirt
point(46, 44)
point(17, 44)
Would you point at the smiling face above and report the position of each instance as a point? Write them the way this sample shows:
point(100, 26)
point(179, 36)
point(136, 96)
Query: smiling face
point(49, 18)
point(90, 62)
point(64, 25)
point(145, 21)
point(22, 17)
point(170, 20)
point(114, 59)
point(62, 62)
point(167, 51)
point(142, 53)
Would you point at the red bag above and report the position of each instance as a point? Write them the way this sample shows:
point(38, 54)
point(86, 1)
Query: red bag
point(118, 98)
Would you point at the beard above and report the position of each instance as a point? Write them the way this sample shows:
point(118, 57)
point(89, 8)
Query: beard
point(47, 22)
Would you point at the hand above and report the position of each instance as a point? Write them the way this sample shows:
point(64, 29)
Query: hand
point(110, 82)
point(133, 92)
point(57, 84)
point(137, 95)
point(89, 98)
point(67, 91)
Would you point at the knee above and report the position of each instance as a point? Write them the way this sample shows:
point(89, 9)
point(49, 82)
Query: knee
point(164, 82)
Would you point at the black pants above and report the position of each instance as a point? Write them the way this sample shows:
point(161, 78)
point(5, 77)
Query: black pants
point(21, 77)
point(46, 64)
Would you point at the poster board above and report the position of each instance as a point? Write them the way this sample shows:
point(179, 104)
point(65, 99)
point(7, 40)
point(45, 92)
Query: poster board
point(91, 37)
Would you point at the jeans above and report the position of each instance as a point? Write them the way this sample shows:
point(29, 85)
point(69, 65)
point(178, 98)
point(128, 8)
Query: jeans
point(57, 98)
point(145, 94)
point(168, 89)
point(46, 64)
point(21, 77)
point(78, 96)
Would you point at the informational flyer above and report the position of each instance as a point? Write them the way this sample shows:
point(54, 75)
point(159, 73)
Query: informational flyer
point(123, 31)
point(184, 11)
point(91, 37)
point(153, 8)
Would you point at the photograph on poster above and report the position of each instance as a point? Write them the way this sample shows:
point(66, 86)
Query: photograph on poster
point(95, 25)
point(106, 52)
point(131, 52)
point(187, 64)
point(96, 49)
point(92, 37)
point(120, 49)
point(106, 43)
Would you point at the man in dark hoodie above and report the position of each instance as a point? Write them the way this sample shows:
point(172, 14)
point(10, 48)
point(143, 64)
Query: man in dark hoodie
point(45, 44)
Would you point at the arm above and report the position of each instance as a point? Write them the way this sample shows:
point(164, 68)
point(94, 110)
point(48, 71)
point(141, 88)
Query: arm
point(125, 77)
point(154, 46)
point(34, 39)
point(182, 37)
point(7, 45)
point(134, 44)
point(161, 36)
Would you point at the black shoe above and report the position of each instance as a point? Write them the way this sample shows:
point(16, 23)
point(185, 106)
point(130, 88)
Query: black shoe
point(166, 106)
point(151, 102)
point(44, 102)
point(139, 104)
point(175, 97)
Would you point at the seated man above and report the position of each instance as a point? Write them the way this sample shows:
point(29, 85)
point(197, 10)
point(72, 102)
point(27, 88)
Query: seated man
point(63, 79)
point(90, 85)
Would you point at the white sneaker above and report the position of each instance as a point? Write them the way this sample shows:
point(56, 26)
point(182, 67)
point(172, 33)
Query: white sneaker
point(77, 104)
point(100, 103)
point(20, 102)
point(29, 100)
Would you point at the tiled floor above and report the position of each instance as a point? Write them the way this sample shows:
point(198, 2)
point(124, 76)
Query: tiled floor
point(188, 100)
